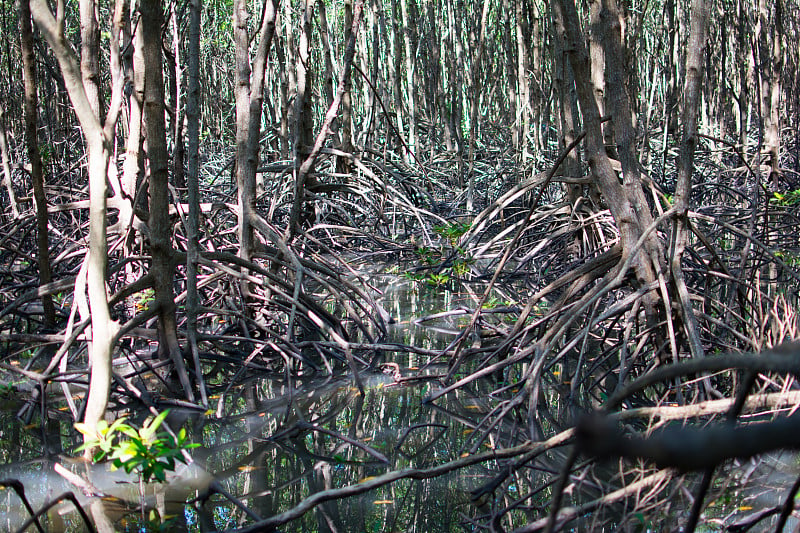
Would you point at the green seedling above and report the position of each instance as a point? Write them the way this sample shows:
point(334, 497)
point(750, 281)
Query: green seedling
point(786, 198)
point(148, 452)
point(142, 300)
point(452, 231)
point(428, 255)
point(413, 276)
point(437, 280)
point(461, 267)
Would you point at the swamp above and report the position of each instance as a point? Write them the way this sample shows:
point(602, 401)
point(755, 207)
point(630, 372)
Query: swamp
point(399, 265)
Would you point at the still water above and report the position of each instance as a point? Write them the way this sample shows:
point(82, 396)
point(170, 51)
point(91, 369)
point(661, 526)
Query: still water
point(270, 444)
point(259, 446)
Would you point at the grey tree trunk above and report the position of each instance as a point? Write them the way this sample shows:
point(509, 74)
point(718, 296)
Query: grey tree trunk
point(631, 217)
point(98, 149)
point(193, 188)
point(7, 183)
point(249, 94)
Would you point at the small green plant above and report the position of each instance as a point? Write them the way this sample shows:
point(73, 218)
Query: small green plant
point(437, 280)
point(141, 300)
point(150, 453)
point(786, 198)
point(452, 231)
point(461, 267)
point(413, 276)
point(789, 258)
point(457, 260)
point(491, 303)
point(427, 255)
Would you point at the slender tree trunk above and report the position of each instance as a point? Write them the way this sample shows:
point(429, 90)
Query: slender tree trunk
point(411, 89)
point(37, 172)
point(568, 123)
point(290, 73)
point(249, 99)
point(772, 96)
point(176, 75)
point(303, 208)
point(193, 188)
point(90, 54)
point(523, 92)
point(98, 150)
point(346, 134)
point(245, 183)
point(671, 96)
point(327, 52)
point(282, 72)
point(7, 182)
point(395, 69)
point(742, 53)
point(120, 33)
point(132, 167)
point(683, 189)
point(477, 72)
point(534, 51)
point(163, 265)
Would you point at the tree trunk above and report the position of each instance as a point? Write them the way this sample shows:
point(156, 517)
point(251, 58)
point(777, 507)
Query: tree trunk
point(476, 98)
point(249, 98)
point(683, 188)
point(9, 185)
point(175, 73)
point(343, 164)
point(408, 53)
point(772, 96)
point(162, 266)
point(303, 207)
point(37, 172)
point(98, 150)
point(631, 217)
point(193, 188)
point(523, 92)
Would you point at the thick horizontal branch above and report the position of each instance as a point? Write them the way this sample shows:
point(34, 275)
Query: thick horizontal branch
point(688, 448)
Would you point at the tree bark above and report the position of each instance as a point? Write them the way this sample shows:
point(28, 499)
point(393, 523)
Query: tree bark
point(346, 134)
point(98, 150)
point(162, 265)
point(193, 188)
point(410, 65)
point(772, 95)
point(303, 207)
point(476, 97)
point(631, 216)
point(683, 188)
point(249, 94)
point(37, 171)
point(9, 185)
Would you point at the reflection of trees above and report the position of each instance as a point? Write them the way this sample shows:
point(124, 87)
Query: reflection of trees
point(273, 460)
